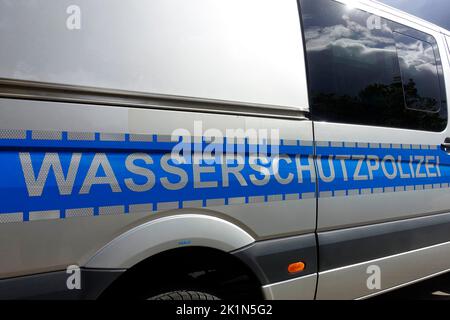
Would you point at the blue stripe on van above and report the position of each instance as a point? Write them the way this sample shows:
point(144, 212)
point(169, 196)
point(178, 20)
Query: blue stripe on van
point(102, 200)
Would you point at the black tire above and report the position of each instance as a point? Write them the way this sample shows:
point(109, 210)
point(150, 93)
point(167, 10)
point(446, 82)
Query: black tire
point(184, 295)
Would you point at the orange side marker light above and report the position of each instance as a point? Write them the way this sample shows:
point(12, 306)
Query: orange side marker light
point(296, 267)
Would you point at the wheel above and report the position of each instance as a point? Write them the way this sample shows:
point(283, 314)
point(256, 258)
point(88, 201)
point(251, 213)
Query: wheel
point(184, 295)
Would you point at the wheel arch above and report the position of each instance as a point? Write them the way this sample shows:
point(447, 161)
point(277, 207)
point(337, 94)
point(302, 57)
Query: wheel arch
point(192, 268)
point(167, 233)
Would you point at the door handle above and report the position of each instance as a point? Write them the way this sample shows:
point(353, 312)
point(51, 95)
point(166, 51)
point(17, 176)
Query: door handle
point(446, 145)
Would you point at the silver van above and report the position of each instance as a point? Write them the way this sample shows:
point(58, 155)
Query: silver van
point(211, 149)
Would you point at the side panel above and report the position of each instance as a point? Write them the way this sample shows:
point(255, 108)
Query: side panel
point(87, 141)
point(74, 177)
point(210, 49)
point(53, 285)
point(397, 271)
point(302, 288)
point(374, 167)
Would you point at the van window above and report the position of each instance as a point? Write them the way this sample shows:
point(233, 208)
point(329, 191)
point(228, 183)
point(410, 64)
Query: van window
point(355, 70)
point(419, 73)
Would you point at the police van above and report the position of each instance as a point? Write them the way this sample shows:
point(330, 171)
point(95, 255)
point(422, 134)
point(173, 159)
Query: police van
point(209, 149)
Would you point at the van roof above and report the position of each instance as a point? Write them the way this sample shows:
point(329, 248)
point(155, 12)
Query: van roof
point(384, 7)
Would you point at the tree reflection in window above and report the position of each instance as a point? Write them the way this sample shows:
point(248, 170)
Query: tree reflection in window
point(419, 72)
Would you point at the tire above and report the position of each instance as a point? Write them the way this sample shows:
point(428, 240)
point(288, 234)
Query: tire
point(184, 295)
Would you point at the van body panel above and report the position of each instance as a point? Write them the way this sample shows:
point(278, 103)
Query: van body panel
point(398, 270)
point(176, 48)
point(67, 131)
point(338, 212)
point(382, 175)
point(103, 121)
point(302, 288)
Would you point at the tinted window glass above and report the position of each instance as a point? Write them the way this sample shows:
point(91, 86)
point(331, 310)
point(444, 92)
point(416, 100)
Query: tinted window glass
point(419, 73)
point(354, 70)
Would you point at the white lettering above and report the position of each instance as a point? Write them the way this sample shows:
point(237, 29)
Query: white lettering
point(35, 186)
point(100, 160)
point(145, 172)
